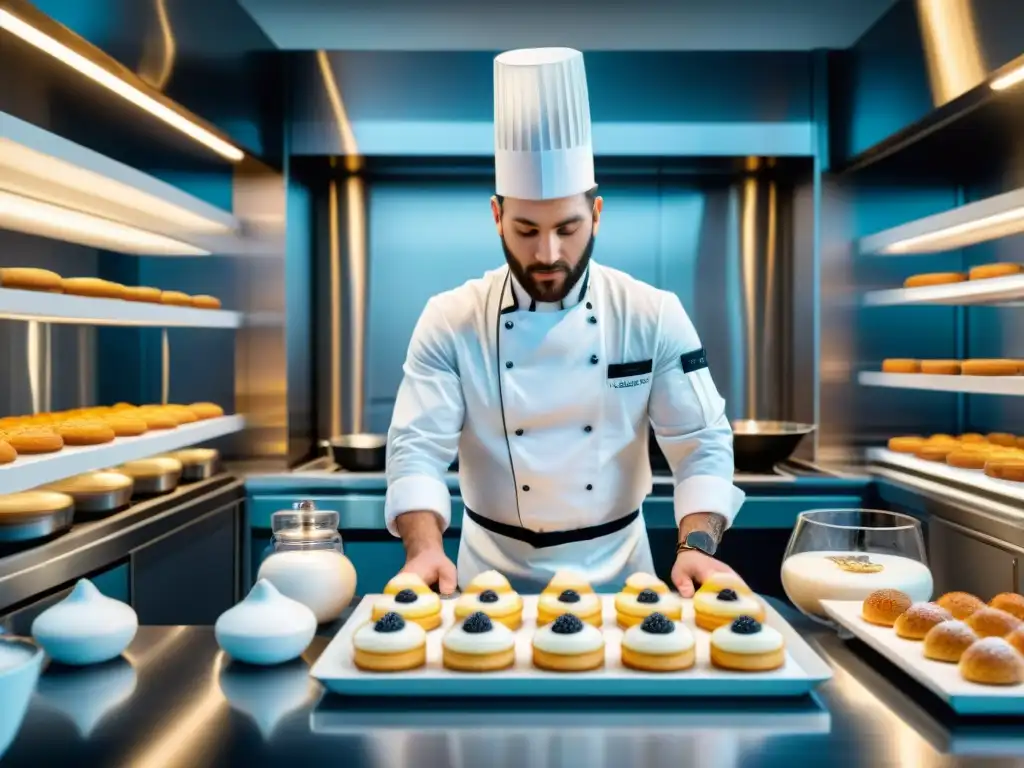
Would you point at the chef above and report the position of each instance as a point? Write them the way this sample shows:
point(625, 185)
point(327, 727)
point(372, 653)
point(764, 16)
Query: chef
point(545, 375)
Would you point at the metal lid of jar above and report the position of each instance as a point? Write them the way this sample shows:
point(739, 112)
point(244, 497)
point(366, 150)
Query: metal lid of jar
point(304, 522)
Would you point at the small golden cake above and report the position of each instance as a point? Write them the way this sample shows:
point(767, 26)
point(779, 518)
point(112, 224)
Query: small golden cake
point(478, 644)
point(206, 410)
point(563, 580)
point(992, 622)
point(973, 438)
point(424, 609)
point(176, 298)
point(631, 609)
point(901, 365)
point(407, 580)
point(961, 604)
point(1016, 639)
point(503, 607)
point(934, 278)
point(935, 451)
point(492, 580)
point(640, 581)
point(1010, 602)
point(987, 271)
point(32, 440)
point(390, 644)
point(948, 640)
point(990, 368)
point(747, 645)
point(992, 661)
point(568, 645)
point(914, 623)
point(884, 606)
point(125, 424)
point(658, 644)
point(906, 444)
point(715, 609)
point(7, 453)
point(718, 581)
point(142, 294)
point(966, 458)
point(941, 367)
point(182, 414)
point(586, 605)
point(93, 287)
point(86, 432)
point(1004, 439)
point(156, 418)
point(30, 279)
point(203, 301)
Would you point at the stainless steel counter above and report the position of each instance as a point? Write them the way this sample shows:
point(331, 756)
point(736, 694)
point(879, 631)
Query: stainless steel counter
point(175, 700)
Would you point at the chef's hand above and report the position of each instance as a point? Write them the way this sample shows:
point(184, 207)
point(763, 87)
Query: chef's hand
point(433, 566)
point(694, 566)
point(424, 550)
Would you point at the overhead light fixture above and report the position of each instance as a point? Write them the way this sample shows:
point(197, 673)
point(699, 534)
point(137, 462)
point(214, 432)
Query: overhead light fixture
point(1008, 80)
point(26, 214)
point(959, 235)
point(66, 55)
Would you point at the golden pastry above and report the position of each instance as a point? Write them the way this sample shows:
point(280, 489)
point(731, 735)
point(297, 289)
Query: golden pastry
point(884, 606)
point(990, 368)
point(126, 424)
point(205, 302)
point(658, 644)
point(747, 645)
point(390, 644)
point(914, 623)
point(206, 410)
point(86, 432)
point(1010, 602)
point(176, 298)
point(961, 604)
point(941, 367)
point(29, 504)
point(1004, 439)
point(478, 644)
point(900, 365)
point(992, 622)
point(7, 452)
point(967, 459)
point(1005, 469)
point(32, 440)
point(30, 279)
point(986, 271)
point(992, 661)
point(157, 418)
point(906, 444)
point(568, 645)
point(182, 414)
point(948, 641)
point(973, 438)
point(142, 294)
point(935, 451)
point(934, 278)
point(93, 287)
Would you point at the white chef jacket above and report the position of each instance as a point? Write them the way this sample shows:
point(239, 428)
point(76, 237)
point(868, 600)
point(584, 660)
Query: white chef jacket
point(547, 407)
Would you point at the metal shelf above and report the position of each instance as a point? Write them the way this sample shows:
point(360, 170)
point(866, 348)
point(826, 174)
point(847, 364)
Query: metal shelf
point(973, 479)
point(992, 291)
point(28, 472)
point(975, 385)
point(83, 310)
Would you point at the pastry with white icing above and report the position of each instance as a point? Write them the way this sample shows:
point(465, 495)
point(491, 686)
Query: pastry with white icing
point(390, 644)
point(586, 605)
point(631, 609)
point(715, 609)
point(640, 581)
point(658, 644)
point(747, 645)
point(424, 609)
point(504, 607)
point(491, 580)
point(568, 645)
point(478, 644)
point(563, 580)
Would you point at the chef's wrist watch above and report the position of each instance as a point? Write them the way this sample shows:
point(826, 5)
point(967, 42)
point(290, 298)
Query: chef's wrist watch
point(702, 541)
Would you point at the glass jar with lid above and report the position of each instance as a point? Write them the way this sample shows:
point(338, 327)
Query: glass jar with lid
point(306, 560)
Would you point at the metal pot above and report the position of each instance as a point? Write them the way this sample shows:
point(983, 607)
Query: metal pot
point(759, 445)
point(361, 452)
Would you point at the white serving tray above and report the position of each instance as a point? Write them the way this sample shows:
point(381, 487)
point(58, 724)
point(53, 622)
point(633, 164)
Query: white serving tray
point(941, 678)
point(802, 672)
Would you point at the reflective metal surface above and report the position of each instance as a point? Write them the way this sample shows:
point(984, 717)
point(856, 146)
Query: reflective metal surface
point(176, 700)
point(769, 428)
point(37, 527)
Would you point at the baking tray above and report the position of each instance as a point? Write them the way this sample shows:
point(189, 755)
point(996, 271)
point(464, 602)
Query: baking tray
point(943, 679)
point(801, 673)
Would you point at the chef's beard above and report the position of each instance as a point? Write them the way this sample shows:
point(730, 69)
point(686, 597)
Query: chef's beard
point(546, 292)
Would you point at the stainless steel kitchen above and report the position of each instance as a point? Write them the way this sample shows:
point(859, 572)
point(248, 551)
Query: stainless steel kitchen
point(463, 384)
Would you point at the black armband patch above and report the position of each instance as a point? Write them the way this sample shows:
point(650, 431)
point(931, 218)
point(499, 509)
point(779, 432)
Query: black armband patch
point(694, 361)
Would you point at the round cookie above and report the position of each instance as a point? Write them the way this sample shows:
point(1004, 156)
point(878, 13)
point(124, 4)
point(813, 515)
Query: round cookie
point(7, 452)
point(503, 607)
point(1005, 469)
point(141, 293)
point(935, 451)
point(587, 606)
point(30, 279)
point(747, 645)
point(901, 365)
point(86, 432)
point(157, 419)
point(934, 278)
point(390, 644)
point(658, 644)
point(884, 606)
point(990, 368)
point(182, 414)
point(33, 440)
point(202, 301)
point(206, 410)
point(988, 271)
point(906, 444)
point(967, 459)
point(992, 661)
point(478, 644)
point(1004, 439)
point(92, 287)
point(568, 645)
point(424, 609)
point(125, 424)
point(948, 640)
point(176, 299)
point(941, 367)
point(632, 609)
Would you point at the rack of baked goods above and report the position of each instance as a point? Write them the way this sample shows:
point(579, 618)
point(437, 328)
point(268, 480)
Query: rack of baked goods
point(1000, 283)
point(92, 301)
point(491, 641)
point(46, 447)
point(968, 651)
point(981, 376)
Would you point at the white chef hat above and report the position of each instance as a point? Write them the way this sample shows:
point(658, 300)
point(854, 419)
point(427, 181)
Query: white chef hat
point(542, 145)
